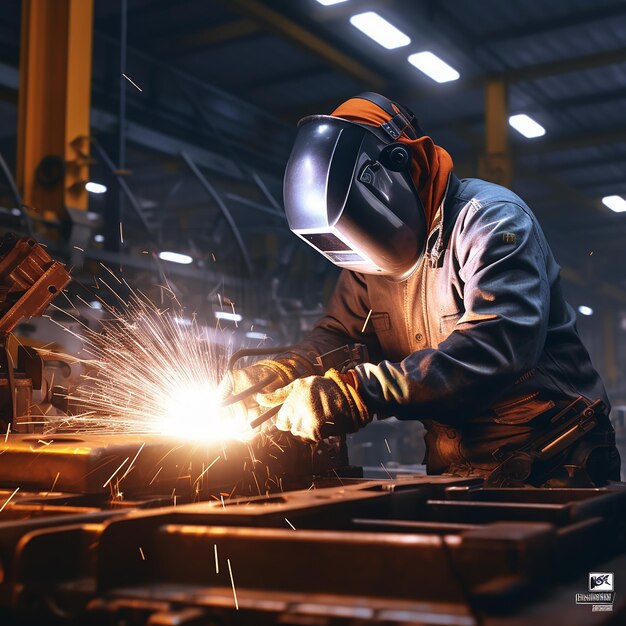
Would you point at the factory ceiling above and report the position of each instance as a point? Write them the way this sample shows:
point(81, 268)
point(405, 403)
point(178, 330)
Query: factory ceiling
point(225, 82)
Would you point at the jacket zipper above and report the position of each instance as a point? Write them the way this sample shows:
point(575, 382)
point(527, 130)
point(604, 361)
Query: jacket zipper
point(424, 311)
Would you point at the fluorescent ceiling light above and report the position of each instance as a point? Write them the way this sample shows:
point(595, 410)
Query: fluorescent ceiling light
point(380, 30)
point(615, 203)
point(98, 238)
point(433, 67)
point(95, 304)
point(328, 3)
point(15, 211)
point(182, 321)
point(230, 317)
point(252, 334)
point(95, 187)
point(526, 126)
point(585, 310)
point(175, 257)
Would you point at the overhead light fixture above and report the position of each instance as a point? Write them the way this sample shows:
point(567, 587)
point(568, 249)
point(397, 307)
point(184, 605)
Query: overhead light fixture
point(615, 203)
point(183, 321)
point(328, 3)
point(229, 317)
point(175, 257)
point(585, 310)
point(95, 187)
point(15, 211)
point(433, 67)
point(95, 304)
point(98, 238)
point(380, 30)
point(526, 126)
point(252, 334)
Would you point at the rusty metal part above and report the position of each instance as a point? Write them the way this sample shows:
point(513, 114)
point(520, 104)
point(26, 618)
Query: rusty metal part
point(349, 551)
point(29, 280)
point(146, 465)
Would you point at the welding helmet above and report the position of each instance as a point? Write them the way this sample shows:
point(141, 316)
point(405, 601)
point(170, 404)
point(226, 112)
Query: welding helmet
point(348, 192)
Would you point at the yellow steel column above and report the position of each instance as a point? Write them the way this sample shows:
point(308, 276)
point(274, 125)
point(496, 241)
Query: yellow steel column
point(495, 164)
point(54, 105)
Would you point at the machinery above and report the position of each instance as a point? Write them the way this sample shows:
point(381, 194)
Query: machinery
point(147, 530)
point(29, 280)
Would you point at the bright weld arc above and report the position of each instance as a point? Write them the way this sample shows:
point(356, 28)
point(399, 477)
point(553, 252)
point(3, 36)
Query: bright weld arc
point(150, 375)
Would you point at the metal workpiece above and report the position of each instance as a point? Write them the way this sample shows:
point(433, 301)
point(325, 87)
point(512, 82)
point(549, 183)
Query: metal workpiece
point(378, 551)
point(146, 465)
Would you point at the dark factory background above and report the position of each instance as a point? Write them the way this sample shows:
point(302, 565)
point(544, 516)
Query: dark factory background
point(190, 107)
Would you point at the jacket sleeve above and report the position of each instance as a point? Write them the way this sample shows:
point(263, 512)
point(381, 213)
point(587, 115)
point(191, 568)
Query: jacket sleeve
point(502, 266)
point(343, 322)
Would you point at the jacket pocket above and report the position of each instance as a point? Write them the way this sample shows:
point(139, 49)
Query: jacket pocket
point(448, 322)
point(381, 322)
point(521, 410)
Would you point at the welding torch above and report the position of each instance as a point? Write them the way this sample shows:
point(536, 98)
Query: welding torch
point(343, 358)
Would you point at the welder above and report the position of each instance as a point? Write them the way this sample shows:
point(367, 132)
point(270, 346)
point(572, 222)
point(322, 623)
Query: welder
point(454, 290)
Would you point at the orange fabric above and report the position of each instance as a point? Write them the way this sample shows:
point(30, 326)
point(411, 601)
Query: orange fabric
point(431, 164)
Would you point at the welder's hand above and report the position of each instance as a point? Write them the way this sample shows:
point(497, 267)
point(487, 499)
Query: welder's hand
point(319, 406)
point(278, 373)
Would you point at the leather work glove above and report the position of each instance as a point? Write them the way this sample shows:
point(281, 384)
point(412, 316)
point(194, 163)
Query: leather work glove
point(319, 406)
point(237, 381)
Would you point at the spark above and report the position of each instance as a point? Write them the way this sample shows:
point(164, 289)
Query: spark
point(146, 374)
point(143, 556)
point(222, 499)
point(387, 444)
point(232, 305)
point(134, 84)
point(130, 467)
point(54, 482)
point(290, 524)
point(121, 233)
point(232, 582)
point(80, 249)
point(45, 443)
point(6, 437)
point(217, 563)
point(337, 475)
point(207, 469)
point(9, 499)
point(115, 472)
point(367, 319)
point(388, 474)
point(160, 468)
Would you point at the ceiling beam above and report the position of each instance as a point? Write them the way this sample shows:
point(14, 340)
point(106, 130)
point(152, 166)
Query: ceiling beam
point(542, 26)
point(277, 22)
point(587, 139)
point(236, 29)
point(565, 66)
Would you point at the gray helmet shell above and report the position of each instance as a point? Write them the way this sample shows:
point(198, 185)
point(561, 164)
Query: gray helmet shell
point(344, 198)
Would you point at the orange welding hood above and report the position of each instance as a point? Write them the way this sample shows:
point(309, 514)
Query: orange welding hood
point(362, 186)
